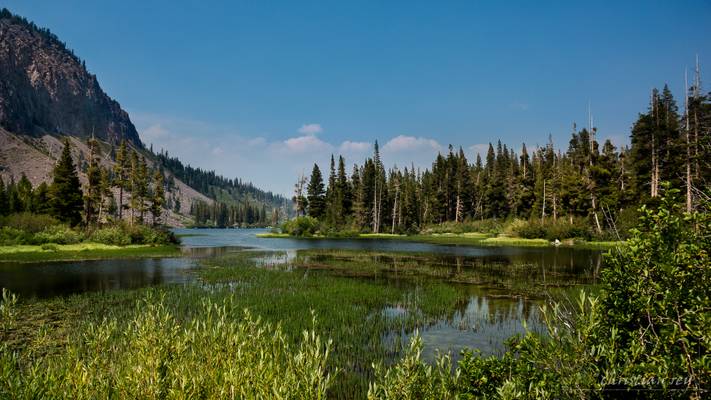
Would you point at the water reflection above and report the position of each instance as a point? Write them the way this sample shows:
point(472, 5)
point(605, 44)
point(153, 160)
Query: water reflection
point(483, 323)
point(50, 279)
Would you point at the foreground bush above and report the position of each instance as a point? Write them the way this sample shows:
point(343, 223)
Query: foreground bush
point(156, 356)
point(647, 335)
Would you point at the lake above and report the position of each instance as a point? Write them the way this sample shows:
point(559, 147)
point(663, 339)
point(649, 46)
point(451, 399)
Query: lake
point(500, 282)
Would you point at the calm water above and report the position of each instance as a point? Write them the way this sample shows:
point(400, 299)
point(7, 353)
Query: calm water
point(47, 279)
point(487, 273)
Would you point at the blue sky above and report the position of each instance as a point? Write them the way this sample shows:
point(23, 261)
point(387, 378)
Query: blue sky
point(262, 89)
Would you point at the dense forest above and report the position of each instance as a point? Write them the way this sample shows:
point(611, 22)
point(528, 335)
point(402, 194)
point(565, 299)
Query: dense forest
point(236, 203)
point(591, 186)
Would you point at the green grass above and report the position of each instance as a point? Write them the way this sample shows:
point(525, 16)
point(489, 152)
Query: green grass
point(273, 235)
point(82, 251)
point(146, 346)
point(460, 239)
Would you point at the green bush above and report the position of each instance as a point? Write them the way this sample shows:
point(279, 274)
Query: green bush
point(59, 234)
point(49, 247)
point(551, 230)
point(301, 226)
point(144, 234)
point(12, 236)
point(28, 222)
point(490, 226)
point(113, 235)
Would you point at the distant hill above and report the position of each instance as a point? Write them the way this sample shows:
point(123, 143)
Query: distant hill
point(46, 93)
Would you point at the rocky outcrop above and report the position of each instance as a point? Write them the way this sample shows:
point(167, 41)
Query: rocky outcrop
point(46, 89)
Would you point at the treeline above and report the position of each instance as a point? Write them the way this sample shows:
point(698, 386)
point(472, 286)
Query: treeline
point(590, 182)
point(236, 203)
point(222, 215)
point(216, 186)
point(95, 203)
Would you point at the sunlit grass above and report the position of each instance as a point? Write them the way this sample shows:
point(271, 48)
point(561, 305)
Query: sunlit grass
point(82, 251)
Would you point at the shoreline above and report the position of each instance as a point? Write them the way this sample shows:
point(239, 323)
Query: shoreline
point(464, 239)
point(83, 252)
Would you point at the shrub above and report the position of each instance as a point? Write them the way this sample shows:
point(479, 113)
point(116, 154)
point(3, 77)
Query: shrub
point(143, 234)
point(49, 247)
point(490, 226)
point(551, 230)
point(113, 235)
point(301, 226)
point(28, 222)
point(12, 236)
point(59, 234)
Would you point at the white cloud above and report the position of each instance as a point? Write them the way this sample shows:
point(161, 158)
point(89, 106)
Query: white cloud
point(303, 144)
point(410, 143)
point(310, 129)
point(217, 151)
point(354, 147)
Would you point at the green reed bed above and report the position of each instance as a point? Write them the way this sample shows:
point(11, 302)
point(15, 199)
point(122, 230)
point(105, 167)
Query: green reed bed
point(514, 279)
point(349, 310)
point(158, 353)
point(94, 345)
point(366, 303)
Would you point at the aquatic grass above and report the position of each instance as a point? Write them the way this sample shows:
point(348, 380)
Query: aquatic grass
point(156, 354)
point(351, 293)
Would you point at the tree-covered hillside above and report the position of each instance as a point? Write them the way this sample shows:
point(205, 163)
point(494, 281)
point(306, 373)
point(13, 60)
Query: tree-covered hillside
point(237, 203)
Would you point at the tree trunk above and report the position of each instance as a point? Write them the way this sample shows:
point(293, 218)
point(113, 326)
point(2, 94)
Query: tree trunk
point(120, 203)
point(543, 209)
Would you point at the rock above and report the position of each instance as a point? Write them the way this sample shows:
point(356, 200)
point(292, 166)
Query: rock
point(46, 89)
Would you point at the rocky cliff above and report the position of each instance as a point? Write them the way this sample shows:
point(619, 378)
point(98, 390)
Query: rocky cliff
point(46, 89)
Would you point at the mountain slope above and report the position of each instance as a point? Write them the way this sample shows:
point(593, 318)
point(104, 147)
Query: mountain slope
point(46, 94)
point(45, 89)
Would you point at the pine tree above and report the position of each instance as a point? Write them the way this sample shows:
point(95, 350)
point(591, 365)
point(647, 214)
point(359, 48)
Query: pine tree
point(4, 203)
point(41, 200)
point(121, 174)
point(106, 195)
point(316, 194)
point(92, 194)
point(65, 192)
point(158, 198)
point(344, 186)
point(24, 194)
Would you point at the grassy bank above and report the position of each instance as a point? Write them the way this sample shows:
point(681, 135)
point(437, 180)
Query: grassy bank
point(82, 251)
point(462, 239)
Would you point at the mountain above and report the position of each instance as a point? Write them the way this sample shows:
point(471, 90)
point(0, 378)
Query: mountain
point(46, 94)
point(46, 89)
